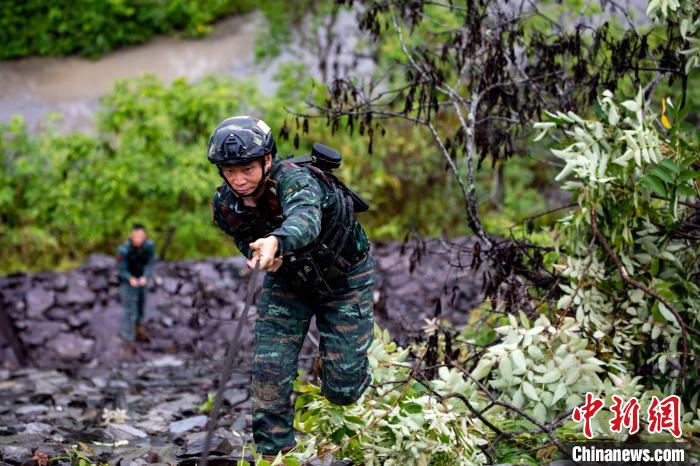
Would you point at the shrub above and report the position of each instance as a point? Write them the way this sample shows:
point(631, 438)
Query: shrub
point(94, 27)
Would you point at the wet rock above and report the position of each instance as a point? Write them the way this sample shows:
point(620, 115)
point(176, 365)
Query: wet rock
point(31, 409)
point(76, 294)
point(206, 273)
point(77, 320)
point(235, 396)
point(38, 301)
point(37, 334)
point(167, 321)
point(151, 457)
point(152, 425)
point(166, 361)
point(219, 446)
point(15, 454)
point(170, 285)
point(240, 423)
point(124, 432)
point(185, 301)
point(188, 424)
point(98, 283)
point(186, 289)
point(58, 313)
point(47, 382)
point(70, 346)
point(60, 282)
point(99, 262)
point(38, 428)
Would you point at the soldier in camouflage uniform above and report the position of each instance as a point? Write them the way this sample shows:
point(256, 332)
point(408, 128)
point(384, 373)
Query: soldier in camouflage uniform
point(136, 257)
point(297, 221)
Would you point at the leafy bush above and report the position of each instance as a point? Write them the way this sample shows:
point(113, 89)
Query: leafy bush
point(396, 421)
point(93, 27)
point(506, 385)
point(628, 253)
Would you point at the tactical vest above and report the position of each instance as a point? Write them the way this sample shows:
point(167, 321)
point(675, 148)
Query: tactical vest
point(137, 258)
point(340, 245)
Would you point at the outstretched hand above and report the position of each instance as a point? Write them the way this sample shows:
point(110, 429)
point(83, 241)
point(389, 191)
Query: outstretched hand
point(264, 250)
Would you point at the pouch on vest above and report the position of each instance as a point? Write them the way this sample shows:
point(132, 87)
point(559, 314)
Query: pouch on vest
point(327, 159)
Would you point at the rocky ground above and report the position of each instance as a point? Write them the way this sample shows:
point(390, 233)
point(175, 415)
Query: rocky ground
point(76, 394)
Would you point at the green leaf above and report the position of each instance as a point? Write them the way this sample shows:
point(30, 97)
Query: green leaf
point(518, 399)
point(506, 369)
point(662, 174)
point(338, 435)
point(530, 391)
point(540, 412)
point(519, 361)
point(354, 420)
point(666, 312)
point(559, 393)
point(482, 369)
point(686, 190)
point(412, 408)
point(535, 352)
point(655, 185)
point(689, 175)
point(670, 166)
point(549, 377)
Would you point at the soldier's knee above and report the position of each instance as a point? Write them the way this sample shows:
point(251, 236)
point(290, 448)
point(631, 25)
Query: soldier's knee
point(342, 398)
point(268, 394)
point(345, 388)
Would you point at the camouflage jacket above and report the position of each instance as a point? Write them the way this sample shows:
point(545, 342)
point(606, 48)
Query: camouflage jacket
point(136, 262)
point(295, 207)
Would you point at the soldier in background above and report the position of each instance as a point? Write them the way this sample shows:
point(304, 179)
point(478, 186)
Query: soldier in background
point(136, 257)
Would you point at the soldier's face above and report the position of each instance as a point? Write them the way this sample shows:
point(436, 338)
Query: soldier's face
point(244, 178)
point(137, 237)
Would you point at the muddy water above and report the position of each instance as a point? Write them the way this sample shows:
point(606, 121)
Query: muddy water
point(72, 86)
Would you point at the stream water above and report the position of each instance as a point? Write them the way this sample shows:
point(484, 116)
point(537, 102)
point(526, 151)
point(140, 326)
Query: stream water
point(35, 86)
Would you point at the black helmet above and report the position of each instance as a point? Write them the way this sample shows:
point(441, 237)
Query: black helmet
point(239, 140)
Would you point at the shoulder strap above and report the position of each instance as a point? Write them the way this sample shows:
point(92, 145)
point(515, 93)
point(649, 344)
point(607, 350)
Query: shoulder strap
point(300, 159)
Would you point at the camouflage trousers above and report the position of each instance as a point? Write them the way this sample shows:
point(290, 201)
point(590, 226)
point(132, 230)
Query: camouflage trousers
point(133, 299)
point(345, 321)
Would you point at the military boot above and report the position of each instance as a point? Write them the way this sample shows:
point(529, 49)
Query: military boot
point(127, 351)
point(142, 334)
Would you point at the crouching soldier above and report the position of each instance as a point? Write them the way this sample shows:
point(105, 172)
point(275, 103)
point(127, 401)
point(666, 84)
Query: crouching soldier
point(136, 257)
point(297, 221)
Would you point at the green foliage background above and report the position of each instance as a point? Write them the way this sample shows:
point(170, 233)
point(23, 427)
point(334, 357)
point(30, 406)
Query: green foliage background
point(93, 27)
point(68, 195)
